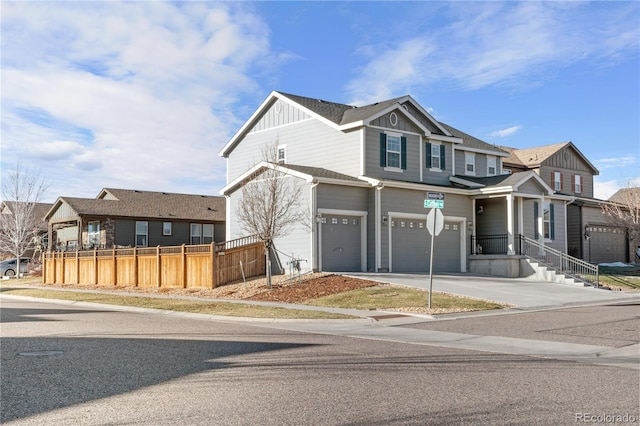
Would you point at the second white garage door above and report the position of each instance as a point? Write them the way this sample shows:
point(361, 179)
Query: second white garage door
point(411, 244)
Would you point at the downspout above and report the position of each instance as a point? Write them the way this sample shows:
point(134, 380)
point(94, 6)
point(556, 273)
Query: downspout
point(314, 225)
point(378, 224)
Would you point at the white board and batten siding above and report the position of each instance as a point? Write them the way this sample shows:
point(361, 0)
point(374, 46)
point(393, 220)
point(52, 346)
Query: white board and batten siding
point(308, 142)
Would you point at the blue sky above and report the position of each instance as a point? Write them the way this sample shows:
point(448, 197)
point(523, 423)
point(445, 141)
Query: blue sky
point(143, 95)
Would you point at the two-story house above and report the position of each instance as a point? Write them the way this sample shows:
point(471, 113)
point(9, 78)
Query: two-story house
point(567, 171)
point(366, 173)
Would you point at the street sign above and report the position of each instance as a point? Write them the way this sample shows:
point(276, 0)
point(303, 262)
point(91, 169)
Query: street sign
point(435, 224)
point(433, 204)
point(435, 195)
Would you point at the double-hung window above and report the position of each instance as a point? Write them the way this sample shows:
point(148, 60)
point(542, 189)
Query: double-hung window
point(470, 163)
point(201, 233)
point(196, 233)
point(142, 233)
point(393, 152)
point(435, 156)
point(491, 165)
point(577, 184)
point(557, 181)
point(167, 228)
point(282, 153)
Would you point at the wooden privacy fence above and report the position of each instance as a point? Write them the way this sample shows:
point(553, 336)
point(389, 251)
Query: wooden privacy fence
point(185, 266)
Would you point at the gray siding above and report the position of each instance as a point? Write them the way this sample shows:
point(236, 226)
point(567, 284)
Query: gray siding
point(403, 123)
point(309, 142)
point(546, 173)
point(125, 232)
point(63, 213)
point(342, 197)
point(531, 187)
point(421, 118)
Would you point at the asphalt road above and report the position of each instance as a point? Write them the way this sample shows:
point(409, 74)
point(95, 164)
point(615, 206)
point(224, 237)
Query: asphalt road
point(68, 364)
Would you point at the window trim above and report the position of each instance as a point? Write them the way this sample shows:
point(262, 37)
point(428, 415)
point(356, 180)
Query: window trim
point(93, 237)
point(166, 232)
point(557, 183)
point(431, 146)
point(384, 152)
point(283, 149)
point(192, 235)
point(577, 184)
point(394, 152)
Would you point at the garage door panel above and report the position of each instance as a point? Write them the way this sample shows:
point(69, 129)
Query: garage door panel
point(411, 244)
point(607, 244)
point(341, 243)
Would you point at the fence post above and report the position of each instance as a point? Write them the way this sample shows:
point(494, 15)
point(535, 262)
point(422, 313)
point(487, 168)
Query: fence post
point(95, 266)
point(158, 266)
point(135, 266)
point(115, 267)
point(183, 262)
point(213, 265)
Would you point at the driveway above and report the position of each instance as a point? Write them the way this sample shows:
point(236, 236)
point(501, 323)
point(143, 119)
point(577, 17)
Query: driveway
point(520, 292)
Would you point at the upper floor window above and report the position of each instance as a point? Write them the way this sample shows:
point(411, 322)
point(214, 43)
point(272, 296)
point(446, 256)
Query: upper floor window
point(393, 151)
point(282, 153)
point(435, 156)
point(470, 163)
point(196, 233)
point(577, 184)
point(491, 165)
point(557, 181)
point(142, 233)
point(166, 228)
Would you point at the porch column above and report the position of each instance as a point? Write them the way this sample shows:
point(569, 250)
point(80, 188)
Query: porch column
point(510, 221)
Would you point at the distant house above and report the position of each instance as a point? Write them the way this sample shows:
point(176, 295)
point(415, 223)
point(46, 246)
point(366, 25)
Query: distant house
point(39, 238)
point(567, 171)
point(128, 218)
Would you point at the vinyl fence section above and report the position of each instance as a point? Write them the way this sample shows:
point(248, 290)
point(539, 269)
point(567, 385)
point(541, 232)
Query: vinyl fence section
point(185, 266)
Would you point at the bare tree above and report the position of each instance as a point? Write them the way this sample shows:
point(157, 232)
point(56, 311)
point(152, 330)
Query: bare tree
point(271, 206)
point(21, 190)
point(623, 210)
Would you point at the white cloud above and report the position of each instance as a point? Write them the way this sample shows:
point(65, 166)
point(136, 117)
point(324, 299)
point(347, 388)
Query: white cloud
point(505, 132)
point(605, 189)
point(134, 94)
point(616, 162)
point(498, 43)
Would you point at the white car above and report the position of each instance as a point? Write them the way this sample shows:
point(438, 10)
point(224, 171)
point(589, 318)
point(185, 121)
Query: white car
point(8, 267)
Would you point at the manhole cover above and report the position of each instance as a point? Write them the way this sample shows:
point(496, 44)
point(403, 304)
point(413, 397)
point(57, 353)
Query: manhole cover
point(41, 353)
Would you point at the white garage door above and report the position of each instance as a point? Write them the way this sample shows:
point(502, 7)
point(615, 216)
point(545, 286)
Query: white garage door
point(411, 244)
point(341, 243)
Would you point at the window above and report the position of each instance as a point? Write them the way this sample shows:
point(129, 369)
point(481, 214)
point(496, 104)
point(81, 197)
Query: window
point(93, 233)
point(557, 181)
point(393, 151)
point(491, 165)
point(577, 184)
point(470, 163)
point(142, 233)
point(548, 226)
point(166, 228)
point(282, 153)
point(196, 233)
point(201, 233)
point(435, 156)
point(207, 233)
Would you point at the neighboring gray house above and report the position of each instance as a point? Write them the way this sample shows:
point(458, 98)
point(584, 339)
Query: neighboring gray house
point(128, 218)
point(40, 227)
point(366, 172)
point(565, 169)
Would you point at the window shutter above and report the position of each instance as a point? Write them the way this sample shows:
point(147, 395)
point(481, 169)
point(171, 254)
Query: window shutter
point(403, 153)
point(573, 183)
point(428, 162)
point(535, 220)
point(442, 167)
point(383, 150)
point(551, 222)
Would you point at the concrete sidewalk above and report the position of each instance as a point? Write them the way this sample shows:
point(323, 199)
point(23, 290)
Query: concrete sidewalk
point(519, 292)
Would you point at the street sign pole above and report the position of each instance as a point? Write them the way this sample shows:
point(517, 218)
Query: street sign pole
point(431, 261)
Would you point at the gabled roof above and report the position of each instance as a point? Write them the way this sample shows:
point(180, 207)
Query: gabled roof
point(147, 205)
point(626, 196)
point(510, 182)
point(534, 157)
point(340, 116)
point(39, 211)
